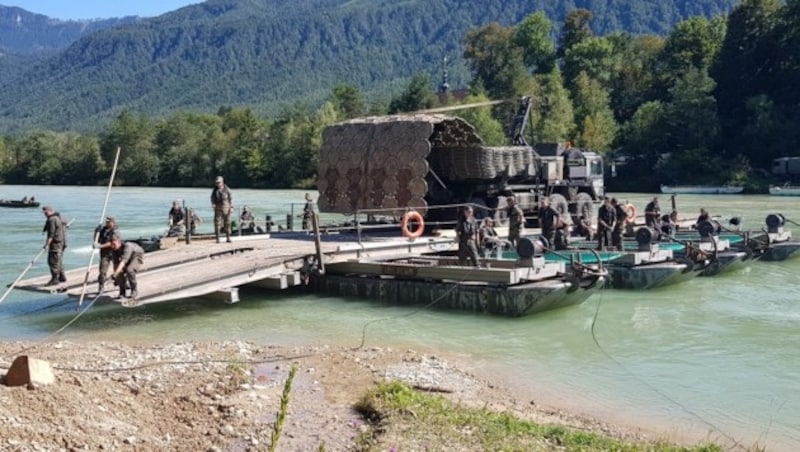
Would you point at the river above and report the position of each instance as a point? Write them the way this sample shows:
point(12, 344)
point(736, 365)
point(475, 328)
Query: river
point(713, 358)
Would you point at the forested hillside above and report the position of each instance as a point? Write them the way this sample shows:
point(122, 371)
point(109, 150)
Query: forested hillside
point(26, 33)
point(711, 102)
point(265, 54)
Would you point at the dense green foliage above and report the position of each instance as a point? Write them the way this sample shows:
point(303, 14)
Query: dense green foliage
point(269, 53)
point(711, 102)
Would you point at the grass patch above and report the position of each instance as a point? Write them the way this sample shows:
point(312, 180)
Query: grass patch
point(404, 419)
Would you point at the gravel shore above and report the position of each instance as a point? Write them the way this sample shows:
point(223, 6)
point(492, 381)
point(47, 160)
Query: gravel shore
point(215, 396)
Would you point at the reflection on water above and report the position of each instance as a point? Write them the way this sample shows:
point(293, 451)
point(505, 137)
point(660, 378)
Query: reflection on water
point(708, 356)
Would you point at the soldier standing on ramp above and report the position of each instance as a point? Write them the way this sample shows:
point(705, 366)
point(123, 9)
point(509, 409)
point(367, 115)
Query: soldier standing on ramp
point(55, 244)
point(467, 231)
point(222, 201)
point(516, 220)
point(104, 235)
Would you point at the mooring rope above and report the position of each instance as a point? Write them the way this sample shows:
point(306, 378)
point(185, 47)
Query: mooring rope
point(736, 443)
point(415, 311)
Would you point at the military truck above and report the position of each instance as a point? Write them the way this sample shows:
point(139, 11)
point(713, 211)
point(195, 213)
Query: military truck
point(426, 161)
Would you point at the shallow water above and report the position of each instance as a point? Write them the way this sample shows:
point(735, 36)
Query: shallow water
point(712, 358)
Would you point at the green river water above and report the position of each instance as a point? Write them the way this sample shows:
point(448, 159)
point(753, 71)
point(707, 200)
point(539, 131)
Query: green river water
point(713, 358)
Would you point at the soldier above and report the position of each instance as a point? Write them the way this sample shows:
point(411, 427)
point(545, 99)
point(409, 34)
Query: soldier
point(104, 234)
point(466, 231)
point(489, 240)
point(128, 260)
point(652, 213)
point(308, 212)
point(176, 219)
point(606, 220)
point(548, 220)
point(516, 220)
point(55, 243)
point(561, 239)
point(247, 222)
point(222, 201)
point(619, 225)
point(584, 228)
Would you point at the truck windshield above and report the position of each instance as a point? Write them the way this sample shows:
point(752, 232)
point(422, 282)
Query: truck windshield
point(596, 168)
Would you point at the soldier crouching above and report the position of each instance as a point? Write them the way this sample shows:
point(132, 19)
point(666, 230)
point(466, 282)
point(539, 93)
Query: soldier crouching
point(128, 260)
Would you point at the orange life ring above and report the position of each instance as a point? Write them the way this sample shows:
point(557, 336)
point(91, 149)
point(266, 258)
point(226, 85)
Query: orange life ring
point(408, 218)
point(630, 209)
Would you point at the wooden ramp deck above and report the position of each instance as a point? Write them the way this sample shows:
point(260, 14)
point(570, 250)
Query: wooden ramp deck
point(211, 270)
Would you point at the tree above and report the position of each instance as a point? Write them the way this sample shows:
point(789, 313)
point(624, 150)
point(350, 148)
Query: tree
point(634, 79)
point(747, 55)
point(596, 127)
point(532, 35)
point(496, 61)
point(418, 95)
point(594, 55)
point(182, 145)
point(348, 101)
point(294, 141)
point(574, 30)
point(551, 110)
point(248, 159)
point(693, 43)
point(692, 113)
point(486, 126)
point(134, 136)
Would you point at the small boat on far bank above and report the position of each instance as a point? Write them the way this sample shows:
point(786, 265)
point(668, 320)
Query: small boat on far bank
point(701, 189)
point(784, 190)
point(18, 203)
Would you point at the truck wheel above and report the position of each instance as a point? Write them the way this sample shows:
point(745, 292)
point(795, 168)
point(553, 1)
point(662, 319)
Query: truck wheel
point(583, 207)
point(559, 203)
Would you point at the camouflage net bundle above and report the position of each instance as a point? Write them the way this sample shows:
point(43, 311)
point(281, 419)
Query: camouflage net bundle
point(383, 162)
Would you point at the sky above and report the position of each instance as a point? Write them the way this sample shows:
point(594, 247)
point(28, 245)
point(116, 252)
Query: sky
point(98, 9)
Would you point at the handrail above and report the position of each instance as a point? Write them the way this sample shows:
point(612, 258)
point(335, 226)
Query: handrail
point(393, 211)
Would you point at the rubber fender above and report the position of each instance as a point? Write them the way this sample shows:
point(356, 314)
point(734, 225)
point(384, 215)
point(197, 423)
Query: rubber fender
point(705, 228)
point(775, 220)
point(528, 247)
point(646, 235)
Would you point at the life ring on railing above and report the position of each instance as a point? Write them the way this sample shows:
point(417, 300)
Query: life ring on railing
point(630, 209)
point(408, 218)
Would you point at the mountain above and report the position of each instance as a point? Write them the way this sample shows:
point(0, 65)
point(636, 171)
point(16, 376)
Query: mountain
point(267, 53)
point(26, 33)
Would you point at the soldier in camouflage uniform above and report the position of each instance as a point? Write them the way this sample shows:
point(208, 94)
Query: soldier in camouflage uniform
point(467, 231)
point(222, 201)
point(308, 212)
point(56, 242)
point(516, 220)
point(128, 260)
point(104, 234)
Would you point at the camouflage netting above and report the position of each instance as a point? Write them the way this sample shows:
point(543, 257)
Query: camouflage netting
point(382, 162)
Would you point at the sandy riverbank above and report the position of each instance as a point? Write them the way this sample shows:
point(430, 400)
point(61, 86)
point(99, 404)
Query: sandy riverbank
point(225, 396)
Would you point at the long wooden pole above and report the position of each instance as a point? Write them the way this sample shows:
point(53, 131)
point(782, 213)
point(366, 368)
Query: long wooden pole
point(19, 278)
point(97, 232)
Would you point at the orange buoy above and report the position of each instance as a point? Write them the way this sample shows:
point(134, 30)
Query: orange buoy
point(630, 209)
point(405, 225)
